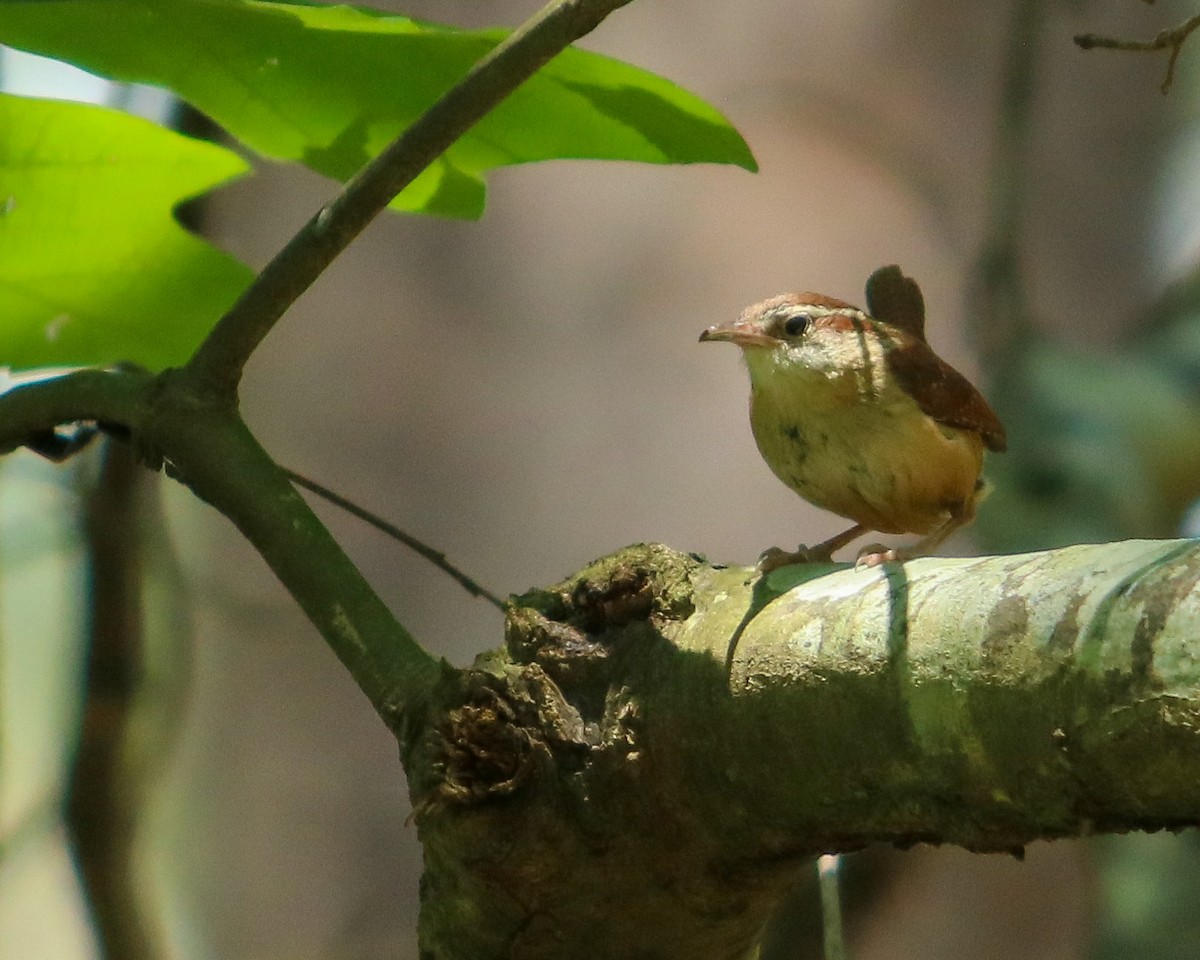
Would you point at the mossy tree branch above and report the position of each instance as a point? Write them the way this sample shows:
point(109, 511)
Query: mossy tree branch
point(663, 744)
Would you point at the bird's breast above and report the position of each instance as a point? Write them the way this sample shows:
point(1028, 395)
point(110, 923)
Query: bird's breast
point(866, 451)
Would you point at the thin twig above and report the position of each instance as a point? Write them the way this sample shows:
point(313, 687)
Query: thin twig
point(436, 557)
point(218, 362)
point(1172, 39)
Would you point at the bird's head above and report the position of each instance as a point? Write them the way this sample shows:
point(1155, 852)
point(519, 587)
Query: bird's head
point(801, 334)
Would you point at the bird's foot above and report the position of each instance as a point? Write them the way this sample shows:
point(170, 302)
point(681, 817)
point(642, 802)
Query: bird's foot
point(774, 558)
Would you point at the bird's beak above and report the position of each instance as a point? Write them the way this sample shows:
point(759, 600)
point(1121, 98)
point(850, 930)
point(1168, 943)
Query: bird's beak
point(740, 332)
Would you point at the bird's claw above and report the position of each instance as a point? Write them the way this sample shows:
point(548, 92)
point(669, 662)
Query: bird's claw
point(876, 555)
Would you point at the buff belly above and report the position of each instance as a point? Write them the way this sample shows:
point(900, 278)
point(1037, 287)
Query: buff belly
point(884, 464)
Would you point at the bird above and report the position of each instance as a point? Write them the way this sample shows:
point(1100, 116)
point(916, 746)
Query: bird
point(854, 411)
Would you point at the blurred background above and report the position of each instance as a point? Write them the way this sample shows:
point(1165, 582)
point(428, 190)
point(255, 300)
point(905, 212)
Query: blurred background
point(526, 393)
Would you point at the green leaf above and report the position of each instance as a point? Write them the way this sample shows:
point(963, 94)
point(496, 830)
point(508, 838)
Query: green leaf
point(94, 269)
point(330, 86)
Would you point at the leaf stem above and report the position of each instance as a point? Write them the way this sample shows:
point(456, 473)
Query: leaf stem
point(220, 359)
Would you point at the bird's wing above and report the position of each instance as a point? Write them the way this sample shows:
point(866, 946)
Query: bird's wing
point(942, 392)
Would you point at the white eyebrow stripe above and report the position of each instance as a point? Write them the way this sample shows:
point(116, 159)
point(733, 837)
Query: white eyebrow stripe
point(815, 311)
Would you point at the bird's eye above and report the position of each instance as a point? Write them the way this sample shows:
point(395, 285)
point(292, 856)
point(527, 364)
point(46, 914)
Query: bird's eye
point(796, 324)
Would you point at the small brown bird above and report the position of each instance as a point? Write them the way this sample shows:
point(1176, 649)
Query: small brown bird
point(858, 415)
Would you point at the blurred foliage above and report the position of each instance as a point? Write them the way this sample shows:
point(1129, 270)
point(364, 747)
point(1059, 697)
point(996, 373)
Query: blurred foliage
point(1148, 887)
point(1102, 446)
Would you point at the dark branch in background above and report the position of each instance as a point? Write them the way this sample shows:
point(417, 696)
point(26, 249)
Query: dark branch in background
point(139, 632)
point(221, 358)
point(1171, 39)
point(1002, 311)
point(102, 806)
point(436, 557)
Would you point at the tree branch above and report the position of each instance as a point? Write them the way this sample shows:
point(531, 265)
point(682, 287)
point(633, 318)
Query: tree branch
point(119, 397)
point(204, 443)
point(1172, 38)
point(219, 361)
point(133, 694)
point(213, 452)
point(606, 787)
point(187, 419)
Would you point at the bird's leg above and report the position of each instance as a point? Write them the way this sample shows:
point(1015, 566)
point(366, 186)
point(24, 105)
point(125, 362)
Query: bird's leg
point(775, 558)
point(875, 554)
